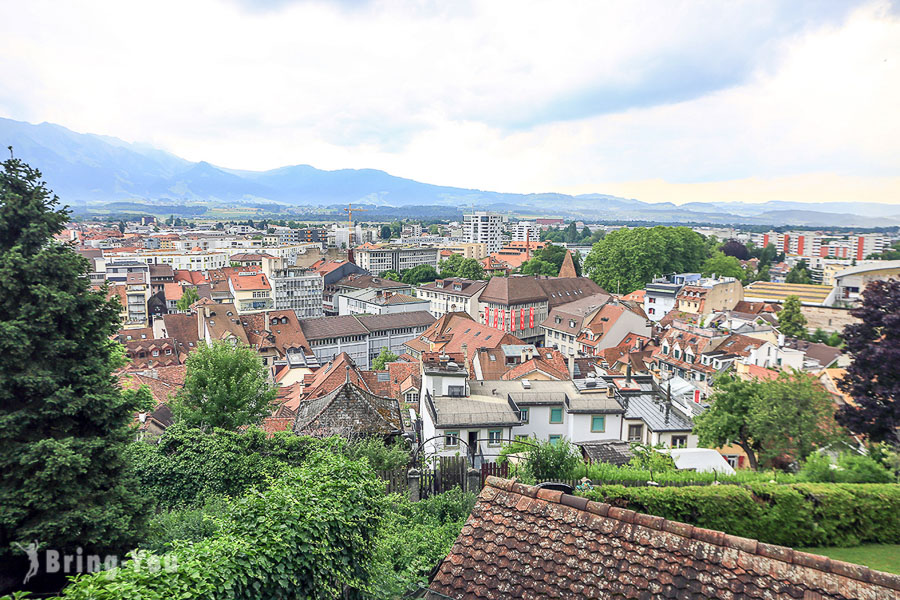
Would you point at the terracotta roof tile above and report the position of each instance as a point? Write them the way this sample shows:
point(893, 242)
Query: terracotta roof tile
point(525, 542)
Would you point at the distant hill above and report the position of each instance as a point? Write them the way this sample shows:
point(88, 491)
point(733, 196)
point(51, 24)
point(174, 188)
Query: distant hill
point(87, 169)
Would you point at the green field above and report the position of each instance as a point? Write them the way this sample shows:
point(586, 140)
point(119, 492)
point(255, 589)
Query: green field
point(882, 557)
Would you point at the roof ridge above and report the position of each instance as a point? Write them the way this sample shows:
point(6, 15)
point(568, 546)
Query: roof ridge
point(710, 536)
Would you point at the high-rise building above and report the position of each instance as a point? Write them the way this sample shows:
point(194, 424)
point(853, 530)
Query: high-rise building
point(485, 227)
point(523, 231)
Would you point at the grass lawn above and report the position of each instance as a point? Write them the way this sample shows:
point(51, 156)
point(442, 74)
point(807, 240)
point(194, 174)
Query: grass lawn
point(881, 557)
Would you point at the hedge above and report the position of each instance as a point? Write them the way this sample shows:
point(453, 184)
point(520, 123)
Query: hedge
point(799, 515)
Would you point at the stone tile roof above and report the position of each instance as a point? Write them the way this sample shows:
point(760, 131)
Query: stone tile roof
point(348, 411)
point(615, 452)
point(524, 542)
point(184, 329)
point(509, 291)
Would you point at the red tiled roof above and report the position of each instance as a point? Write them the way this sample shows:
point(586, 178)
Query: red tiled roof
point(173, 291)
point(761, 373)
point(451, 331)
point(555, 366)
point(192, 277)
point(257, 281)
point(524, 542)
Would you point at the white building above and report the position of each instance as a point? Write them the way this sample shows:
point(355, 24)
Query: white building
point(378, 258)
point(298, 290)
point(523, 231)
point(453, 294)
point(484, 227)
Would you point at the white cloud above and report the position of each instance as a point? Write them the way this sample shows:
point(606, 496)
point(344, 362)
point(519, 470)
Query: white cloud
point(498, 95)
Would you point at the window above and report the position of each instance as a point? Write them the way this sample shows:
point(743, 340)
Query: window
point(521, 437)
point(168, 351)
point(451, 439)
point(679, 441)
point(554, 439)
point(556, 415)
point(598, 424)
point(495, 436)
point(523, 415)
point(457, 391)
point(156, 353)
point(635, 433)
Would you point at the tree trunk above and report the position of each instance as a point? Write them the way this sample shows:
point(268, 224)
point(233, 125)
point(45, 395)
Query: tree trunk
point(751, 455)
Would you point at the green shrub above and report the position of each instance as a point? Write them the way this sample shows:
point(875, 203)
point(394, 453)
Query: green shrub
point(791, 515)
point(310, 534)
point(545, 460)
point(413, 538)
point(850, 468)
point(185, 524)
point(381, 456)
point(605, 472)
point(188, 466)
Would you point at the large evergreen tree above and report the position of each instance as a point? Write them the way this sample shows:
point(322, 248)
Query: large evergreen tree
point(873, 378)
point(64, 423)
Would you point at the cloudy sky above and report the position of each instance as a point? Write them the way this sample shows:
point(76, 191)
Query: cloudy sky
point(663, 101)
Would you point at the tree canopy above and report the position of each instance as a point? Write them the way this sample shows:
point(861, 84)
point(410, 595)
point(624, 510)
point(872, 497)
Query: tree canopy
point(64, 423)
point(225, 386)
point(721, 265)
point(420, 274)
point(799, 274)
point(736, 249)
point(628, 259)
point(457, 266)
point(791, 321)
point(188, 296)
point(384, 357)
point(873, 379)
point(774, 422)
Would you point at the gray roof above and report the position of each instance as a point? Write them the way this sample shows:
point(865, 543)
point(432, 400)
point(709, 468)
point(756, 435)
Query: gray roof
point(483, 411)
point(615, 452)
point(874, 266)
point(552, 392)
point(332, 327)
point(416, 318)
point(658, 414)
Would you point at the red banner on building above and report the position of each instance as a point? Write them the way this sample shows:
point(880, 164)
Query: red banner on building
point(502, 319)
point(512, 320)
point(495, 318)
point(521, 318)
point(531, 317)
point(487, 315)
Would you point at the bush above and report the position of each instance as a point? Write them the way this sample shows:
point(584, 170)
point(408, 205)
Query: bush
point(850, 468)
point(605, 472)
point(413, 538)
point(309, 535)
point(544, 460)
point(793, 515)
point(381, 456)
point(188, 466)
point(186, 524)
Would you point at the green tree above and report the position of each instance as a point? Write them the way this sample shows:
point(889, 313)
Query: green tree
point(449, 267)
point(225, 386)
point(723, 266)
point(791, 321)
point(121, 226)
point(728, 420)
point(385, 232)
point(470, 268)
point(628, 259)
point(64, 423)
point(420, 274)
point(434, 230)
point(188, 297)
point(390, 274)
point(774, 422)
point(383, 358)
point(799, 274)
point(536, 266)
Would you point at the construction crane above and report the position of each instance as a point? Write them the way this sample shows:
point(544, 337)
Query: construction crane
point(350, 210)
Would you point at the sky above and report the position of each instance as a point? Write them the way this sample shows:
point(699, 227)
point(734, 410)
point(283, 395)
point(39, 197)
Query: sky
point(661, 101)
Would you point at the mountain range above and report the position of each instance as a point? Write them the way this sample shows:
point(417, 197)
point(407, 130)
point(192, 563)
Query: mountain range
point(88, 169)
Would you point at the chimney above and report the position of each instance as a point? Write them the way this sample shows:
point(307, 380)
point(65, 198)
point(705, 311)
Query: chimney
point(628, 372)
point(571, 360)
point(266, 325)
point(610, 391)
point(465, 351)
point(348, 374)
